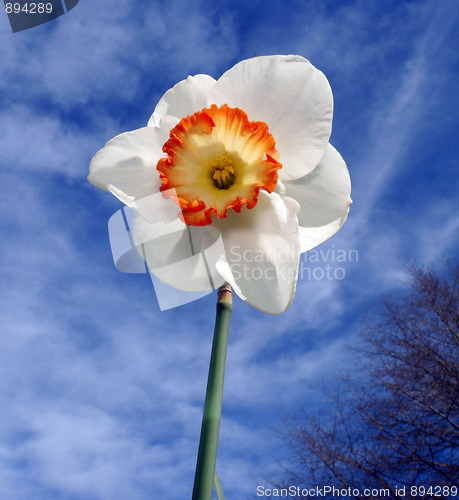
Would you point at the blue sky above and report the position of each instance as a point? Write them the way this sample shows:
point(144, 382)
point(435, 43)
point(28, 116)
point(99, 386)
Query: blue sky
point(101, 393)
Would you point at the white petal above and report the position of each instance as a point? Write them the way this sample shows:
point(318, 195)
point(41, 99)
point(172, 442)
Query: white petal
point(181, 256)
point(184, 99)
point(126, 165)
point(262, 252)
point(292, 97)
point(324, 198)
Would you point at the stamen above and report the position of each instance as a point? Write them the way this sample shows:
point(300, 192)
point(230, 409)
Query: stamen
point(224, 173)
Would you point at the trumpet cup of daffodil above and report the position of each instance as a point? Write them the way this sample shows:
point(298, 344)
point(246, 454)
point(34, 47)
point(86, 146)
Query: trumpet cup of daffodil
point(243, 161)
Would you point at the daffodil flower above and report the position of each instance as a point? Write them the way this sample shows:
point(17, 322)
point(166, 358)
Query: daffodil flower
point(245, 158)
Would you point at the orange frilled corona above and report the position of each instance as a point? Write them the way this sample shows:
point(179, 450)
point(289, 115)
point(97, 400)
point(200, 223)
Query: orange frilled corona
point(216, 160)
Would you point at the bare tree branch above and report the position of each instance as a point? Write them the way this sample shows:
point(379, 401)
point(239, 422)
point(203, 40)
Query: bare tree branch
point(394, 421)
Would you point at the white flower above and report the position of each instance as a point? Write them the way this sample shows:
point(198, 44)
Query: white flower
point(244, 160)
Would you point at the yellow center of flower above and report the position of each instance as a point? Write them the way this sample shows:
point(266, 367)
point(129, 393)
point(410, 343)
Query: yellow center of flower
point(224, 173)
point(216, 160)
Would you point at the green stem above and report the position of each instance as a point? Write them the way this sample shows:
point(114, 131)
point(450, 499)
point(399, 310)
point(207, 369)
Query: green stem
point(207, 453)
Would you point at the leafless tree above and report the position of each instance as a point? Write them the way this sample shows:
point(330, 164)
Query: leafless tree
point(393, 422)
